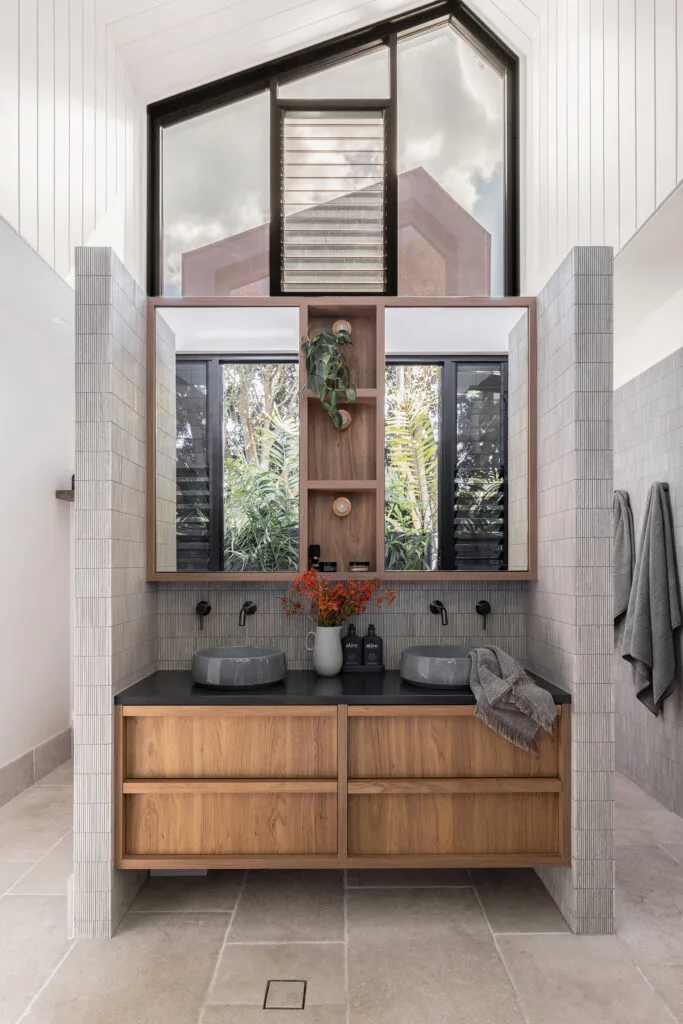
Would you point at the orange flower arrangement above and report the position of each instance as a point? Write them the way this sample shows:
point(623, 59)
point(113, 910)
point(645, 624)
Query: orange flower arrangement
point(332, 604)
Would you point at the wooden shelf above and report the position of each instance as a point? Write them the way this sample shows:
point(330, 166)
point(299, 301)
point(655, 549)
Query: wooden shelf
point(337, 486)
point(364, 396)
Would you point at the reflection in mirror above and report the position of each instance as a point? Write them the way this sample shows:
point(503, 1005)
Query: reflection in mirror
point(227, 439)
point(456, 439)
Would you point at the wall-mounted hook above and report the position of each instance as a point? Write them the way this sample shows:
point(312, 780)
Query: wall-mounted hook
point(202, 609)
point(483, 608)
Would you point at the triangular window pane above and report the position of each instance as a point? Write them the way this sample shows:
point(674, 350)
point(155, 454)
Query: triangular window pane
point(363, 78)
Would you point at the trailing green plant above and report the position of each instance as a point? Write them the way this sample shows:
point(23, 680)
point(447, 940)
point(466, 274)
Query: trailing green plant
point(327, 371)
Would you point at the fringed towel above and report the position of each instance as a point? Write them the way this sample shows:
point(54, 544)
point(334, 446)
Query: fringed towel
point(624, 552)
point(654, 610)
point(507, 700)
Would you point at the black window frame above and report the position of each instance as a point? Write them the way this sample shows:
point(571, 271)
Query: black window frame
point(265, 78)
point(448, 447)
point(215, 442)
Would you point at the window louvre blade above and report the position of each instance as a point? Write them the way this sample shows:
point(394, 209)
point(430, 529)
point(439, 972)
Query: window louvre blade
point(333, 201)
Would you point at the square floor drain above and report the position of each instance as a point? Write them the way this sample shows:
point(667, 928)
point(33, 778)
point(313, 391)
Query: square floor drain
point(285, 995)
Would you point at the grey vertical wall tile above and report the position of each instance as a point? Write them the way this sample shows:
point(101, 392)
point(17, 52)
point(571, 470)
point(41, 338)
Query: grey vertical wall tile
point(569, 609)
point(116, 617)
point(648, 446)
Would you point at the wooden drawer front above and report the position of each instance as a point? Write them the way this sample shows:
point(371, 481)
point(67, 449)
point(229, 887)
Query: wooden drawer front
point(441, 746)
point(440, 824)
point(228, 746)
point(230, 823)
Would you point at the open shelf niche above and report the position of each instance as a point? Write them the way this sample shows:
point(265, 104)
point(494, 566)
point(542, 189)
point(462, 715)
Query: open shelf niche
point(346, 463)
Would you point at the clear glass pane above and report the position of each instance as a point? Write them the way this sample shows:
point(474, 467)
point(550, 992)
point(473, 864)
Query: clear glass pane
point(411, 466)
point(451, 109)
point(361, 78)
point(333, 195)
point(261, 467)
point(216, 202)
point(479, 493)
point(192, 468)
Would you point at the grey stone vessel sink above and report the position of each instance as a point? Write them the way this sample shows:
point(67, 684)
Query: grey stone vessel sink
point(436, 665)
point(240, 666)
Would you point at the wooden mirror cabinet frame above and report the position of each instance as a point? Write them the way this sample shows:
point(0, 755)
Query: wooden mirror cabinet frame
point(367, 316)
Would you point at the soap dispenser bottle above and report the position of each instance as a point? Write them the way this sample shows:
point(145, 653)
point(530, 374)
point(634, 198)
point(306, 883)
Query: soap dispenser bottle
point(372, 648)
point(352, 650)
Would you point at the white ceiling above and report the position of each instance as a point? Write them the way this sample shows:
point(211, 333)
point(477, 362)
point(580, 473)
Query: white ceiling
point(173, 45)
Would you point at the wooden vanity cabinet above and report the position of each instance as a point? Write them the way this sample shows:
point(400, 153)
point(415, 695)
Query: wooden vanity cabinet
point(328, 786)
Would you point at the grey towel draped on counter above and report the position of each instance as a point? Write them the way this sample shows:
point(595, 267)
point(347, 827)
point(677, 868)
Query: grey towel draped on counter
point(507, 700)
point(624, 552)
point(654, 610)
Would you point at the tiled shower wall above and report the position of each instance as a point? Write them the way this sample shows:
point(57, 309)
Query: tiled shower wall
point(115, 640)
point(648, 446)
point(569, 621)
point(408, 622)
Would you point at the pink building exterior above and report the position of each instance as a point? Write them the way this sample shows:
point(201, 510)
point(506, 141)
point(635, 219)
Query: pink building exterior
point(443, 250)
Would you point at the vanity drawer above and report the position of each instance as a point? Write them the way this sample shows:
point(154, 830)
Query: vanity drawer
point(439, 742)
point(230, 742)
point(206, 822)
point(454, 824)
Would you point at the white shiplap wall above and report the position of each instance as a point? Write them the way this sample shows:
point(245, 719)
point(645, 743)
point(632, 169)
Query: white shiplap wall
point(605, 143)
point(72, 131)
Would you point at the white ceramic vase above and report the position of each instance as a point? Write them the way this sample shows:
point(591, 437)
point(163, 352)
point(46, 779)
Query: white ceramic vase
point(327, 649)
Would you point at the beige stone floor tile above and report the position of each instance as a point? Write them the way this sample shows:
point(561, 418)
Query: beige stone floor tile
point(362, 878)
point(49, 876)
point(290, 906)
point(674, 850)
point(155, 970)
point(649, 904)
point(34, 821)
point(661, 826)
point(10, 872)
point(215, 892)
point(255, 1015)
point(667, 982)
point(32, 943)
point(244, 971)
point(631, 797)
point(424, 956)
point(516, 900)
point(579, 979)
point(61, 776)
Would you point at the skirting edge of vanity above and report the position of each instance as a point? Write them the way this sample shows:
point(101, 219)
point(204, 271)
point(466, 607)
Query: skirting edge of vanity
point(329, 773)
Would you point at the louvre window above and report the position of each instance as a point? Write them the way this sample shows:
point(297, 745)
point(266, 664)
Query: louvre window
point(192, 468)
point(334, 201)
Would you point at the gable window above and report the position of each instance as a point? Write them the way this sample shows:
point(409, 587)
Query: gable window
point(384, 162)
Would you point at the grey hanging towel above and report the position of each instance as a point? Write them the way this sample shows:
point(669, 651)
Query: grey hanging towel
point(654, 610)
point(624, 552)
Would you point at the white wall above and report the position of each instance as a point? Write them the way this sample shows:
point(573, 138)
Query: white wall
point(605, 143)
point(37, 458)
point(73, 146)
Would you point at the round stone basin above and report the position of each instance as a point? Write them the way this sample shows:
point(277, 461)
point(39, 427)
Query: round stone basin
point(236, 667)
point(437, 666)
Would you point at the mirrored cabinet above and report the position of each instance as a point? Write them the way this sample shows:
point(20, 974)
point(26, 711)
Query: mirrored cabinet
point(416, 460)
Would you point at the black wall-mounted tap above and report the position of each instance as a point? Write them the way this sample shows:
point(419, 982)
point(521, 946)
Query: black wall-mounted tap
point(483, 608)
point(248, 608)
point(438, 608)
point(202, 609)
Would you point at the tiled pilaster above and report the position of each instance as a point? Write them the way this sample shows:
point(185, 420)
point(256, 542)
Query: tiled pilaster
point(165, 439)
point(115, 609)
point(518, 446)
point(569, 620)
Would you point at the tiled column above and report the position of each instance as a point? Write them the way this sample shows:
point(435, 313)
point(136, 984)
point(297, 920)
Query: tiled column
point(166, 558)
point(569, 611)
point(115, 615)
point(518, 445)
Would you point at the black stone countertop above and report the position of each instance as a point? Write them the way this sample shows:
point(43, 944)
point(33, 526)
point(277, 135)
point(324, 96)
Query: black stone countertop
point(176, 688)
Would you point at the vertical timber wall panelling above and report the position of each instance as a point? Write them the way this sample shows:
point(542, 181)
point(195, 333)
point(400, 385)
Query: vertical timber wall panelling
point(518, 446)
point(648, 446)
point(408, 622)
point(604, 124)
point(73, 134)
point(115, 614)
point(569, 621)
